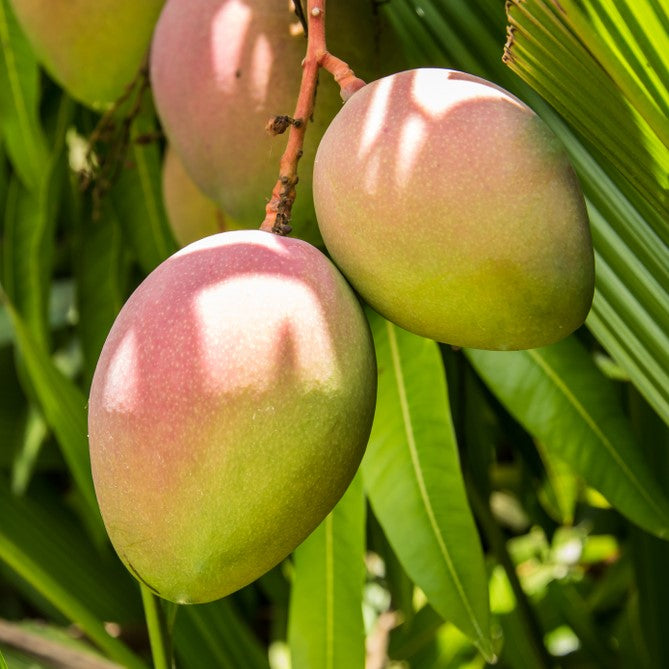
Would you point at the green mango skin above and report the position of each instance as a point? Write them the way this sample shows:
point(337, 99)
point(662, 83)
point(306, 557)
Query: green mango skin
point(229, 410)
point(220, 69)
point(92, 48)
point(454, 212)
point(190, 213)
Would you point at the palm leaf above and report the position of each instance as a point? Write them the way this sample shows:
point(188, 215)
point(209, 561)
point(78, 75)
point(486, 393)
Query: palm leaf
point(603, 66)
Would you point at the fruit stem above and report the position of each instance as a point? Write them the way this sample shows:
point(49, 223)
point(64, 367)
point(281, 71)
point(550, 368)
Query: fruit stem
point(278, 209)
point(160, 637)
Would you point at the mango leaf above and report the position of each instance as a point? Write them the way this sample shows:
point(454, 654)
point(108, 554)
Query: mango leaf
point(412, 477)
point(19, 100)
point(34, 436)
point(64, 407)
point(559, 492)
point(25, 265)
point(101, 269)
point(137, 198)
point(40, 545)
point(13, 408)
point(325, 625)
point(215, 635)
point(558, 394)
point(650, 556)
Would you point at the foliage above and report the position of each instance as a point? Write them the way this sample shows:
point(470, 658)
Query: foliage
point(509, 504)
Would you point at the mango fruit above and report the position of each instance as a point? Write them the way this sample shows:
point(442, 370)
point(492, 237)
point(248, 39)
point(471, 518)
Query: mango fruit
point(454, 211)
point(190, 213)
point(220, 69)
point(92, 48)
point(229, 411)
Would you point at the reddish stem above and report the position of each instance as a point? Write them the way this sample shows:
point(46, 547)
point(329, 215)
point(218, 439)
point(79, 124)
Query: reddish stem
point(278, 209)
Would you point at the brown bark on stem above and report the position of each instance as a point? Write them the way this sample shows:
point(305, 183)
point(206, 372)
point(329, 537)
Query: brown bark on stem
point(278, 209)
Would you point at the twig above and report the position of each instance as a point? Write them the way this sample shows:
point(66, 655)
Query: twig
point(278, 209)
point(113, 131)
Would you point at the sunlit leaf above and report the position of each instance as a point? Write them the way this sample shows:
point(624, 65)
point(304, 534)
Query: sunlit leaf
point(412, 477)
point(326, 627)
point(558, 394)
point(585, 58)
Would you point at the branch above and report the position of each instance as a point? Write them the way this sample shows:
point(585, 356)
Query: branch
point(278, 209)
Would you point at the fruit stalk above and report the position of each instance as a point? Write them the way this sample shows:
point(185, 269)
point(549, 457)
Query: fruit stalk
point(278, 209)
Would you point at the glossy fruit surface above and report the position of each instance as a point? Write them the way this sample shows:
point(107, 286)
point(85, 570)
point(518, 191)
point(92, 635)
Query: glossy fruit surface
point(229, 410)
point(190, 213)
point(93, 48)
point(220, 69)
point(453, 210)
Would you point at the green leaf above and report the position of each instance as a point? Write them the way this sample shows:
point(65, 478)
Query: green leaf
point(34, 436)
point(215, 635)
point(101, 271)
point(412, 476)
point(585, 58)
point(29, 228)
point(563, 54)
point(326, 627)
point(40, 545)
point(160, 637)
point(19, 99)
point(64, 407)
point(559, 492)
point(26, 269)
point(650, 556)
point(137, 198)
point(3, 664)
point(12, 407)
point(558, 394)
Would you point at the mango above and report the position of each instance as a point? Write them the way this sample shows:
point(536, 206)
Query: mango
point(229, 411)
point(454, 211)
point(190, 213)
point(92, 48)
point(220, 69)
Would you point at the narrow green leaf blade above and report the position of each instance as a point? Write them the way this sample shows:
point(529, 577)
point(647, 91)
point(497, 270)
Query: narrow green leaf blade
point(43, 549)
point(19, 98)
point(3, 664)
point(101, 275)
point(412, 477)
point(215, 635)
point(326, 627)
point(561, 398)
point(64, 407)
point(137, 198)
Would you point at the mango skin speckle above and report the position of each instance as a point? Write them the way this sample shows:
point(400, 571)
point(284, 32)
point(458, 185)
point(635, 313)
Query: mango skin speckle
point(454, 212)
point(229, 410)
